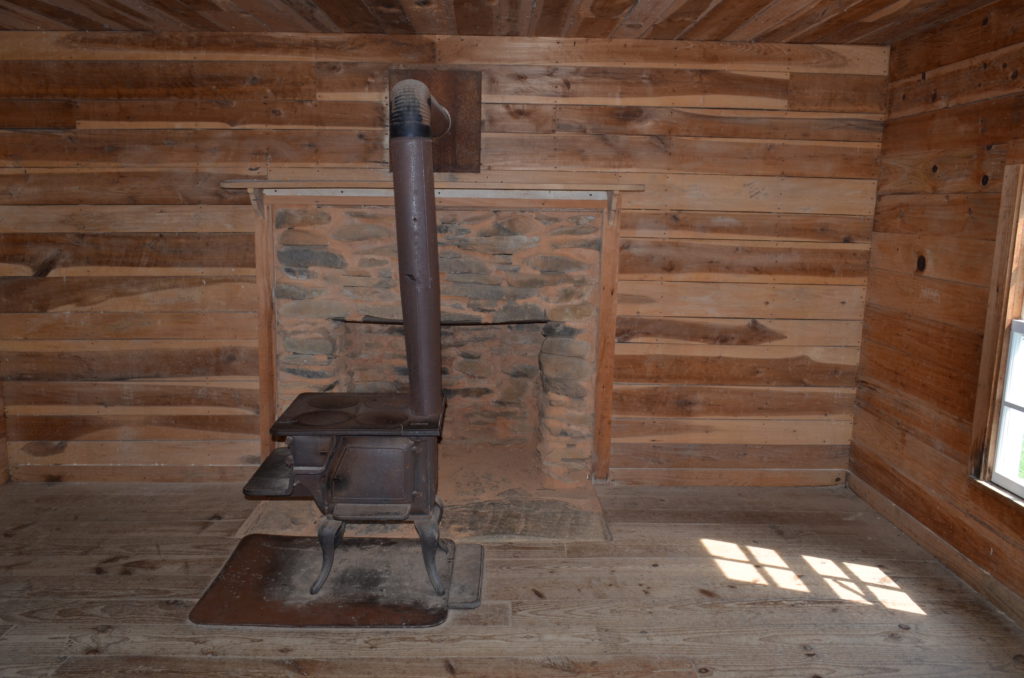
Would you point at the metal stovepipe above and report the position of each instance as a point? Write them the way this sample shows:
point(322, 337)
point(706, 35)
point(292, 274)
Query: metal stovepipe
point(415, 118)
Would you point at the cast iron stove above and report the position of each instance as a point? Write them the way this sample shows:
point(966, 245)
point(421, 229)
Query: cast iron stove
point(362, 457)
point(365, 457)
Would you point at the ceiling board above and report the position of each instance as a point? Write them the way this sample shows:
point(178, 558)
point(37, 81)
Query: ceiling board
point(869, 22)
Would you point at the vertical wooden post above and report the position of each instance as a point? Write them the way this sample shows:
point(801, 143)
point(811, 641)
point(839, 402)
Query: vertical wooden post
point(606, 339)
point(267, 319)
point(5, 470)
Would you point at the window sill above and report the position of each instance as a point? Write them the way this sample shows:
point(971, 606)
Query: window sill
point(1010, 499)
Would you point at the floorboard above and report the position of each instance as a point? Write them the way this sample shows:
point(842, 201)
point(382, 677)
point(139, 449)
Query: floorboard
point(98, 580)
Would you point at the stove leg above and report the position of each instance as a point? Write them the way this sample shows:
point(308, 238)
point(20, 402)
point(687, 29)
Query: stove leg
point(428, 528)
point(329, 534)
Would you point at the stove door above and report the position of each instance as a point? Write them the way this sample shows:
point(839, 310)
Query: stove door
point(372, 476)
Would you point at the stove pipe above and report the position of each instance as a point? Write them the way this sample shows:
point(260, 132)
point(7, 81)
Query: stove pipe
point(412, 110)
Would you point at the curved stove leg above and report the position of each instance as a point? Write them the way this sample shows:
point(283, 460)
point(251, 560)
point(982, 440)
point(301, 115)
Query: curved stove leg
point(428, 528)
point(329, 534)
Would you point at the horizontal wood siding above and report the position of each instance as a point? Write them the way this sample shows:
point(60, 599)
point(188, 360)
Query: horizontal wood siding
point(957, 102)
point(741, 287)
point(128, 288)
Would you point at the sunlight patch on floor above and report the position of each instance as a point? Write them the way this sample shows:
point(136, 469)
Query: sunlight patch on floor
point(851, 582)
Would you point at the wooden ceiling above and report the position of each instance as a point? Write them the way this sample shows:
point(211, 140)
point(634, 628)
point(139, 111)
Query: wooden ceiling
point(877, 22)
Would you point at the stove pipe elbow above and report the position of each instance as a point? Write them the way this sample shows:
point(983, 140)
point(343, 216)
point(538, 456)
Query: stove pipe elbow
point(414, 113)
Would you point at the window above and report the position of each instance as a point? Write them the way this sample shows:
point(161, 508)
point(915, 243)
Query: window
point(1007, 467)
point(998, 436)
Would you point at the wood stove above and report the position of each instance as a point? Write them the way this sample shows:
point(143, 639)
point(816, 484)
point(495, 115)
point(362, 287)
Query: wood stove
point(372, 457)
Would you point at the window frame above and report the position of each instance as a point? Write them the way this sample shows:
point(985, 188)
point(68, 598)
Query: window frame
point(1006, 294)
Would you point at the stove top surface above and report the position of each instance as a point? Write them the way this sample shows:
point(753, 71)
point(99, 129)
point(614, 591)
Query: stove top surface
point(354, 414)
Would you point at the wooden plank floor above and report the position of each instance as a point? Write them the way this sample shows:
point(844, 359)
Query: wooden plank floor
point(97, 580)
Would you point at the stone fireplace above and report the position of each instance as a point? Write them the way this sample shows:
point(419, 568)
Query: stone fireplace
point(519, 312)
point(521, 303)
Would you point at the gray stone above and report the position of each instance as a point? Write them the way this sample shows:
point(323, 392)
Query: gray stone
point(579, 245)
point(306, 373)
point(298, 273)
point(549, 263)
point(567, 387)
point(476, 291)
point(352, 232)
point(523, 371)
point(520, 313)
point(305, 257)
point(509, 244)
point(565, 367)
point(566, 347)
point(309, 344)
point(454, 264)
point(560, 329)
point(471, 392)
point(289, 218)
point(571, 312)
point(295, 293)
point(583, 225)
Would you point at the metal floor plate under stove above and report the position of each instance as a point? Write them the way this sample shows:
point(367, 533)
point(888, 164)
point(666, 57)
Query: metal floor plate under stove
point(266, 583)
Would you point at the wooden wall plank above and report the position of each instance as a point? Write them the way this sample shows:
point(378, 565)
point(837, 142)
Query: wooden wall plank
point(175, 219)
point(935, 256)
point(939, 429)
point(957, 128)
point(205, 391)
point(956, 304)
point(851, 93)
point(125, 359)
point(138, 324)
point(735, 365)
point(990, 75)
point(746, 226)
point(190, 148)
point(463, 50)
point(694, 156)
point(729, 477)
point(689, 122)
point(214, 47)
point(939, 385)
point(155, 293)
point(183, 79)
point(133, 453)
point(732, 431)
point(963, 170)
point(43, 254)
point(712, 456)
point(737, 300)
point(630, 86)
point(133, 427)
point(687, 400)
point(737, 261)
point(737, 332)
point(154, 473)
point(967, 214)
point(791, 195)
point(117, 187)
point(213, 114)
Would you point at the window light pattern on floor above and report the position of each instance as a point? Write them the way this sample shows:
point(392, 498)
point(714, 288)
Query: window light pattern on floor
point(852, 582)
